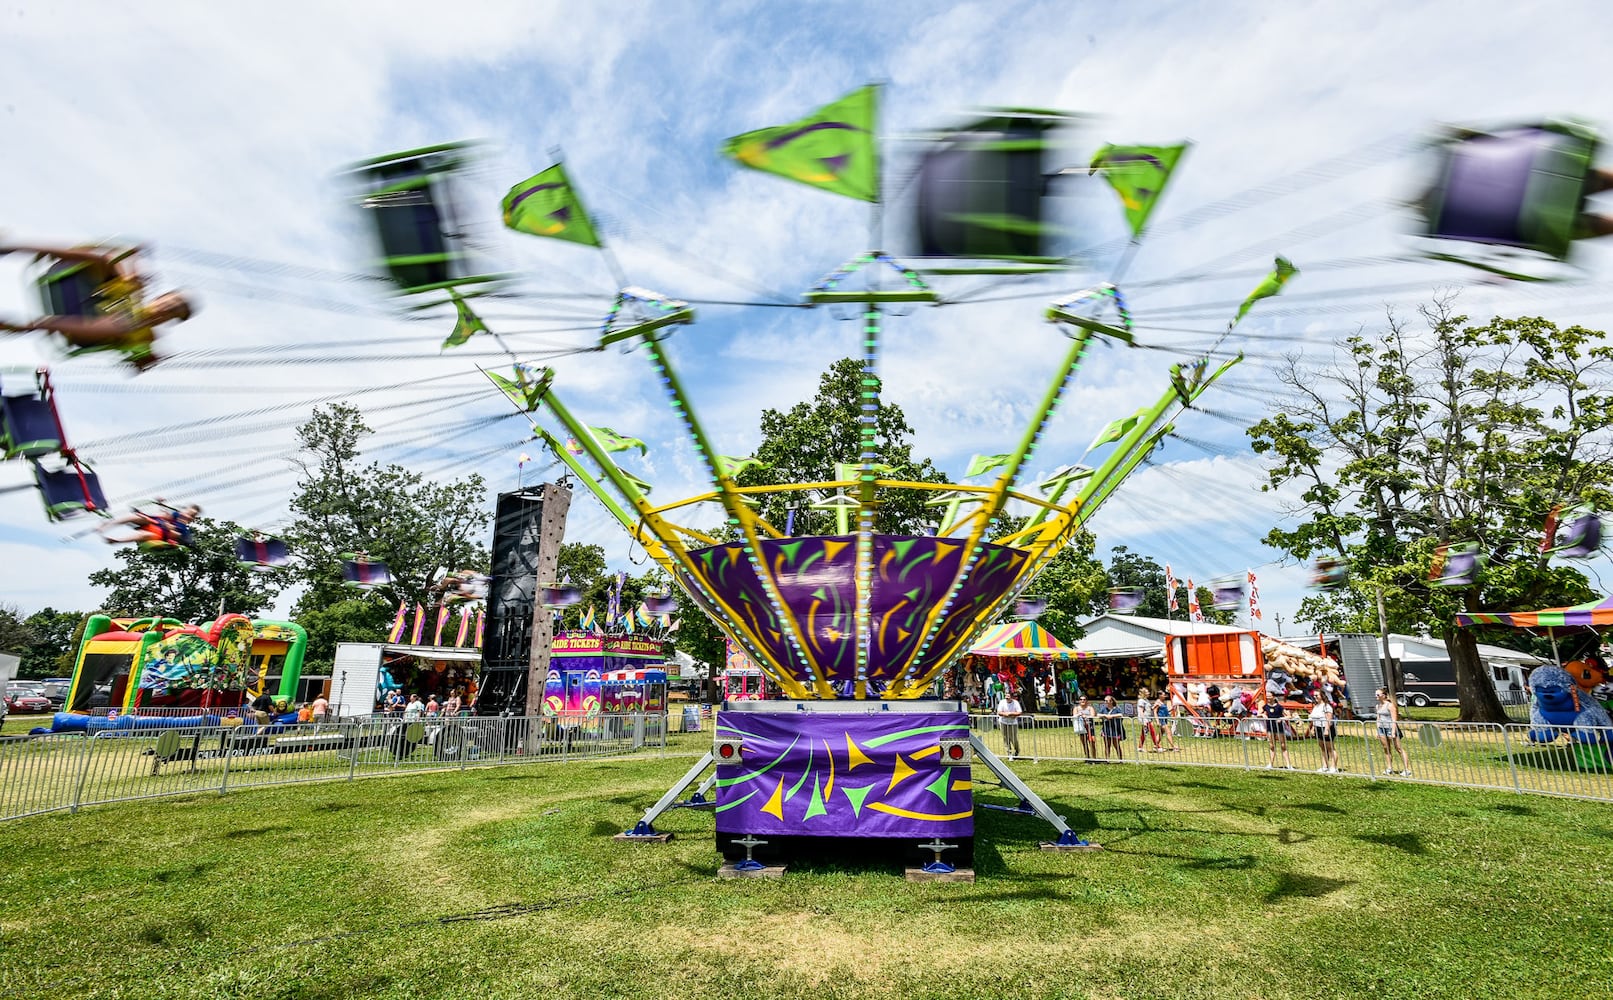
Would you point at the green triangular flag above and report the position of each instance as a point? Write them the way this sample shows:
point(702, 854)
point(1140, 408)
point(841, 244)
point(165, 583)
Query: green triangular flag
point(524, 391)
point(985, 463)
point(467, 325)
point(546, 204)
point(1138, 174)
point(1271, 285)
point(833, 148)
point(732, 467)
point(638, 484)
point(612, 441)
point(1115, 430)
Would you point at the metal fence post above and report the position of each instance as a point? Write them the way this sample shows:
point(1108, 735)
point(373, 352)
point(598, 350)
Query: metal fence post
point(357, 729)
point(83, 774)
point(1512, 765)
point(1033, 728)
point(227, 745)
point(1242, 738)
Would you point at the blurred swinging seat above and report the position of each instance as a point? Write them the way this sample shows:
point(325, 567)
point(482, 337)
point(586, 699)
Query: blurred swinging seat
point(28, 426)
point(70, 491)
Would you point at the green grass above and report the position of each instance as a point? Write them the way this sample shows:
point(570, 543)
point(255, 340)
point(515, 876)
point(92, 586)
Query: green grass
point(504, 882)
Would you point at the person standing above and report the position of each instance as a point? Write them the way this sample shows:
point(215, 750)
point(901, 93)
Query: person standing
point(1276, 733)
point(262, 708)
point(1086, 726)
point(414, 710)
point(1008, 713)
point(1114, 727)
point(1324, 727)
point(1389, 734)
point(452, 706)
point(321, 709)
point(1165, 720)
point(1145, 721)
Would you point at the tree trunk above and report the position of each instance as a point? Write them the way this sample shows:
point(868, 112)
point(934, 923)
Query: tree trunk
point(1474, 690)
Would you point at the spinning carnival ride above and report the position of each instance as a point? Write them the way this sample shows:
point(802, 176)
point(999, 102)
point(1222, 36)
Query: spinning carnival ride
point(854, 627)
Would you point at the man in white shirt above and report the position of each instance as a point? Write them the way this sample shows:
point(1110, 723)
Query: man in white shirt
point(1008, 713)
point(414, 710)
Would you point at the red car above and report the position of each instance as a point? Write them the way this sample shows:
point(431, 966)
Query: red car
point(26, 699)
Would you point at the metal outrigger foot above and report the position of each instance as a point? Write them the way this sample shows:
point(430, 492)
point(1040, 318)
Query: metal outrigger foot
point(645, 829)
point(1030, 804)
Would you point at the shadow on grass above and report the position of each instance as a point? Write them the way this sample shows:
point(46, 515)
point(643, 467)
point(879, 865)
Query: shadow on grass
point(196, 870)
point(1559, 758)
point(1201, 784)
point(1411, 843)
point(1296, 884)
point(254, 831)
point(1321, 807)
point(1513, 810)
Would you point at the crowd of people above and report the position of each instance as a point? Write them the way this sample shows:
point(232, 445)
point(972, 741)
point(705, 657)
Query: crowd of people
point(414, 708)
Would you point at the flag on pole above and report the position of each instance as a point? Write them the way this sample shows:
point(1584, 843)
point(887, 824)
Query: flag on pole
point(834, 148)
point(419, 625)
point(479, 618)
point(1194, 612)
point(612, 441)
point(613, 608)
point(985, 463)
point(586, 620)
point(1254, 598)
point(1170, 589)
point(1139, 175)
point(467, 325)
point(1115, 430)
point(464, 627)
point(1273, 283)
point(546, 204)
point(396, 631)
point(442, 619)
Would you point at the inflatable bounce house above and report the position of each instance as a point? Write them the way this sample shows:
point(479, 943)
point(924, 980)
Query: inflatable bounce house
point(125, 665)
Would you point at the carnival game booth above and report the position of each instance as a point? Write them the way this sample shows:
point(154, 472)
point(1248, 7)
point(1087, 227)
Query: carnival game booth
point(1027, 658)
point(163, 666)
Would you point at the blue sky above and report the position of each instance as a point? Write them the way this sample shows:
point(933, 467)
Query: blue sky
point(211, 131)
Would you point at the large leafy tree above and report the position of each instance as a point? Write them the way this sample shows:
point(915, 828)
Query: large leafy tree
point(804, 444)
point(343, 504)
point(16, 635)
point(55, 643)
point(1450, 434)
point(193, 583)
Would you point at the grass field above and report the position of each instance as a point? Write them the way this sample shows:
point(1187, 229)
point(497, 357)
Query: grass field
point(504, 882)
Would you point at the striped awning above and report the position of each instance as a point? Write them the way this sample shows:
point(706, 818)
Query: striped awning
point(1595, 614)
point(1027, 640)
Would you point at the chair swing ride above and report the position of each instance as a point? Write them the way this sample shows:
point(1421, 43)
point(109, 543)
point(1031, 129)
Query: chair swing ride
point(855, 627)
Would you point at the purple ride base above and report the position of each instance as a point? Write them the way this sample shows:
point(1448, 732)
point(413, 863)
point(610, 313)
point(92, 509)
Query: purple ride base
point(844, 776)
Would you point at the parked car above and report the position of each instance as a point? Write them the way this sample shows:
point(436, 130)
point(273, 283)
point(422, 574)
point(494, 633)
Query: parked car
point(25, 699)
point(56, 693)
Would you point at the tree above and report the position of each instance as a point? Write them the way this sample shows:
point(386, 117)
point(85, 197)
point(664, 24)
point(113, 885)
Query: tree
point(414, 525)
point(805, 443)
point(16, 636)
point(193, 583)
point(55, 645)
point(1133, 569)
point(1459, 434)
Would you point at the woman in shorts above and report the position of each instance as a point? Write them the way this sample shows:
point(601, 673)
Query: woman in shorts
point(1276, 733)
point(1389, 734)
point(1114, 727)
point(1086, 726)
point(1324, 726)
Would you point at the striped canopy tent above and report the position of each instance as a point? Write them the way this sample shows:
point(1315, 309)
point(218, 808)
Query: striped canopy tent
point(1592, 614)
point(1023, 640)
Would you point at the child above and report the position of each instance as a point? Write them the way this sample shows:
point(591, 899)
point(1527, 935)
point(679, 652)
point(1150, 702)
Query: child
point(1276, 734)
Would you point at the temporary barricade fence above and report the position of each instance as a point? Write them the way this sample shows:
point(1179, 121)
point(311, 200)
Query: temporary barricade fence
point(65, 771)
point(52, 772)
point(1459, 754)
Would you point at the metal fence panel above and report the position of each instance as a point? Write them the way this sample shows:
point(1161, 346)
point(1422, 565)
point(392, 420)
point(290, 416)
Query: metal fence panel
point(39, 774)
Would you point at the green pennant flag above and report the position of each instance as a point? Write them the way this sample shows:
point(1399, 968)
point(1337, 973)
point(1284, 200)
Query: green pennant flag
point(732, 467)
point(1138, 174)
point(467, 325)
point(612, 441)
point(1115, 430)
point(833, 148)
point(1272, 284)
point(524, 390)
point(985, 463)
point(638, 484)
point(546, 204)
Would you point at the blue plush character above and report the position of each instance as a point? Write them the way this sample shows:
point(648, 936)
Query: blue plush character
point(1560, 706)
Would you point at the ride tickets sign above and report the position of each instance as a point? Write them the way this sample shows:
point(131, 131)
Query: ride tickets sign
point(582, 645)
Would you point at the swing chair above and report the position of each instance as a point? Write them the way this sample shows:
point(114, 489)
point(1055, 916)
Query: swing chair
point(1226, 593)
point(1581, 537)
point(408, 199)
point(261, 552)
point(363, 573)
point(1125, 600)
point(1522, 189)
point(1329, 574)
point(31, 428)
point(1029, 608)
point(660, 604)
point(1456, 565)
point(73, 288)
point(28, 426)
point(69, 491)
